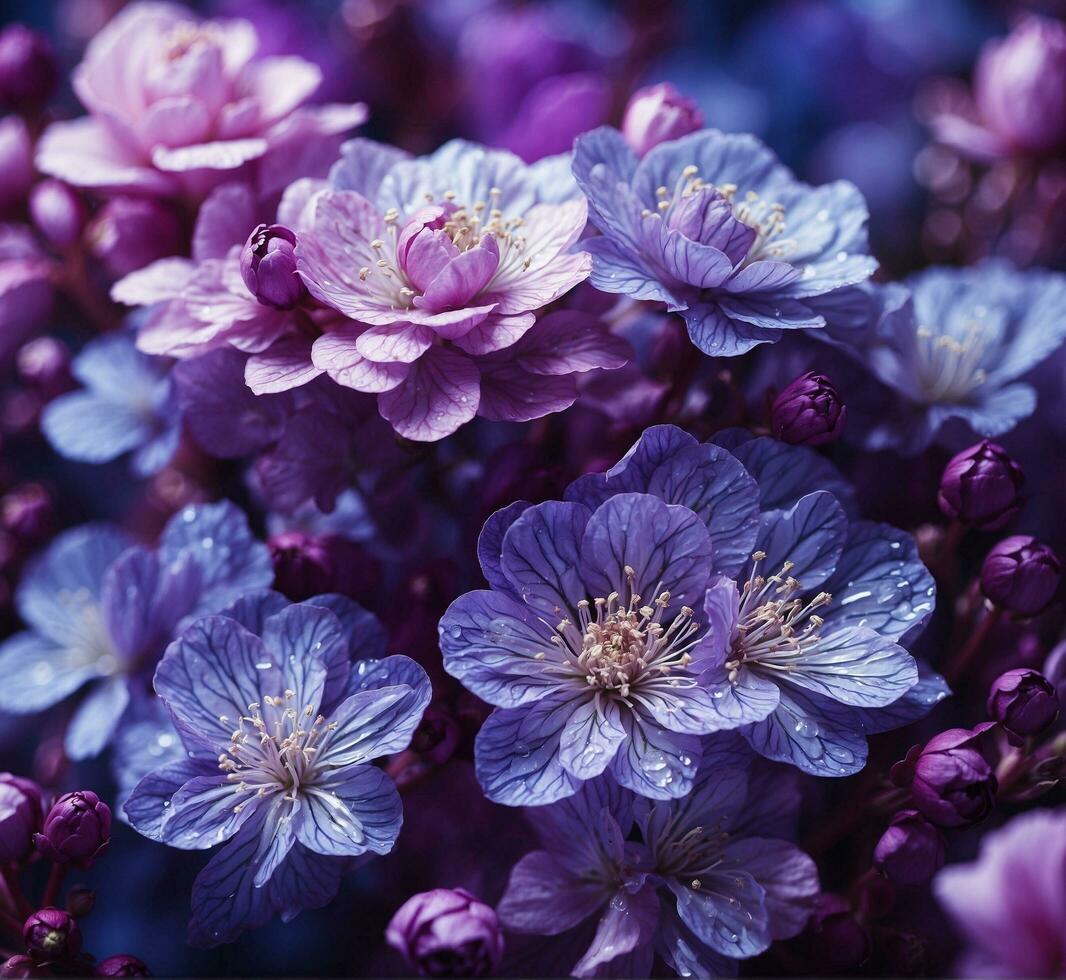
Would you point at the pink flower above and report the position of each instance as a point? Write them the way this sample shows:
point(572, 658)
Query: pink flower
point(440, 264)
point(178, 104)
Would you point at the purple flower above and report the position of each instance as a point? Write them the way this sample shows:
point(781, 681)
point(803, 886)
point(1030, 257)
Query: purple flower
point(23, 966)
point(709, 882)
point(28, 70)
point(125, 406)
point(101, 610)
point(980, 486)
point(911, 851)
point(1024, 702)
point(281, 728)
point(26, 286)
point(51, 934)
point(1018, 104)
point(656, 604)
point(656, 114)
point(202, 304)
point(1009, 905)
point(76, 831)
point(447, 933)
point(443, 262)
point(21, 813)
point(268, 267)
point(121, 965)
point(176, 103)
point(1021, 575)
point(953, 784)
point(714, 227)
point(953, 351)
point(809, 412)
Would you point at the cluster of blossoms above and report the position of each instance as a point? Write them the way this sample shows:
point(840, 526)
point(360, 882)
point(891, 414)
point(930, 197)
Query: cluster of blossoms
point(721, 545)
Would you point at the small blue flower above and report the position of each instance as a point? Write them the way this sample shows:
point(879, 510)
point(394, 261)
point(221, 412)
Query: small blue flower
point(952, 355)
point(125, 406)
point(686, 591)
point(281, 726)
point(716, 228)
point(709, 882)
point(101, 610)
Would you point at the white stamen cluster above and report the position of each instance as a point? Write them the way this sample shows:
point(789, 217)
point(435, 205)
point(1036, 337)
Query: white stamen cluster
point(774, 626)
point(765, 218)
point(615, 646)
point(949, 368)
point(466, 227)
point(276, 753)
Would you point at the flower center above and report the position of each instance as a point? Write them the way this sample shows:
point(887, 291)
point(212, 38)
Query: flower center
point(948, 368)
point(614, 647)
point(697, 851)
point(775, 625)
point(275, 752)
point(183, 37)
point(765, 218)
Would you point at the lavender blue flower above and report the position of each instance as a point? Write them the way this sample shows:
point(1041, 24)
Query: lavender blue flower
point(710, 882)
point(683, 592)
point(281, 725)
point(953, 356)
point(713, 226)
point(125, 406)
point(100, 610)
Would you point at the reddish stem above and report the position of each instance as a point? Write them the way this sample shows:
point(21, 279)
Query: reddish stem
point(55, 881)
point(12, 893)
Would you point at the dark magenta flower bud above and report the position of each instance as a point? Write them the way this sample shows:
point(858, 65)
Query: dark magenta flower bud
point(77, 829)
point(27, 512)
point(80, 901)
point(839, 943)
point(447, 933)
point(121, 965)
point(58, 212)
point(980, 486)
point(1024, 702)
point(953, 784)
point(44, 364)
point(28, 70)
point(1020, 86)
point(21, 813)
point(128, 233)
point(22, 966)
point(51, 934)
point(307, 565)
point(268, 265)
point(1021, 575)
point(911, 851)
point(16, 161)
point(659, 113)
point(808, 412)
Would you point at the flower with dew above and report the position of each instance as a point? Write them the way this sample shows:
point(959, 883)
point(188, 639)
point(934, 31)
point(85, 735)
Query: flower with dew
point(282, 709)
point(1009, 905)
point(686, 591)
point(703, 881)
point(178, 104)
point(101, 609)
point(951, 357)
point(441, 264)
point(713, 226)
point(125, 406)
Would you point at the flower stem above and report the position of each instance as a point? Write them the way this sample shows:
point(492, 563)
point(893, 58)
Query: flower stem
point(12, 894)
point(55, 881)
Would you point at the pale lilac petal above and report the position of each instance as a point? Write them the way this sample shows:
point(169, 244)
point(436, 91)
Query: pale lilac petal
point(441, 393)
point(284, 365)
point(336, 354)
point(403, 342)
point(220, 155)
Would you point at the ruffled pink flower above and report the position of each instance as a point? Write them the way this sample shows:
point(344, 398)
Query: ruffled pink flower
point(440, 264)
point(177, 104)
